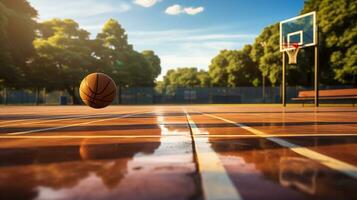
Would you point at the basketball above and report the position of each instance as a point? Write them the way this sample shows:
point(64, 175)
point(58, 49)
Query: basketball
point(97, 90)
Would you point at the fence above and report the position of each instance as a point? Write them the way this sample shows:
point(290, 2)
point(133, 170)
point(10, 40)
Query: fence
point(148, 95)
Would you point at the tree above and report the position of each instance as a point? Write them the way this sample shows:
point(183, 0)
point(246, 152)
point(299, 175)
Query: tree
point(265, 52)
point(154, 61)
point(186, 77)
point(204, 78)
point(337, 22)
point(233, 68)
point(17, 31)
point(114, 37)
point(218, 70)
point(127, 66)
point(63, 53)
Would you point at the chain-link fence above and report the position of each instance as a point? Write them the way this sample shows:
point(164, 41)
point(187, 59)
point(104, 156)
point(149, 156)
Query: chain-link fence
point(149, 95)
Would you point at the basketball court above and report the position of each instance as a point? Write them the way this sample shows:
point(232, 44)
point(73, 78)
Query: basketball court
point(178, 152)
point(189, 151)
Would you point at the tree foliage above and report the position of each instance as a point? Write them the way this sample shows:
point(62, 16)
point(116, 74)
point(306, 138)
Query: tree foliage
point(61, 53)
point(337, 22)
point(17, 31)
point(58, 54)
point(64, 55)
point(118, 58)
point(63, 49)
point(265, 52)
point(186, 77)
point(234, 68)
point(154, 61)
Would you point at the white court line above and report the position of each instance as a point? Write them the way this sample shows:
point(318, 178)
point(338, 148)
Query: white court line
point(72, 125)
point(28, 121)
point(21, 120)
point(340, 166)
point(160, 136)
point(216, 183)
point(50, 119)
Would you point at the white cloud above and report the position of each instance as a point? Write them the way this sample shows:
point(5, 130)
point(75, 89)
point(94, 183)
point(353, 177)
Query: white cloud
point(194, 11)
point(173, 10)
point(177, 9)
point(146, 3)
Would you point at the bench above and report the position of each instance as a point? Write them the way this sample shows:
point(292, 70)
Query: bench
point(334, 94)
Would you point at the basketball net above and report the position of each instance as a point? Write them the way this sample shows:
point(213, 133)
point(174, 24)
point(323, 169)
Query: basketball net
point(292, 52)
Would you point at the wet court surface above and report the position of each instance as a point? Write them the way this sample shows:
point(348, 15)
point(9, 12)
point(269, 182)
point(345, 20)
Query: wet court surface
point(178, 152)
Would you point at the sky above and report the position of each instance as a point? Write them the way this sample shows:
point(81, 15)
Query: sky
point(183, 33)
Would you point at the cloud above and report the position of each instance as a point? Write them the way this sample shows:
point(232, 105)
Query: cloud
point(146, 3)
point(177, 9)
point(173, 10)
point(194, 11)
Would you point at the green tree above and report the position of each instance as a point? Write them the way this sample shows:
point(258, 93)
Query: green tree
point(204, 78)
point(186, 77)
point(265, 52)
point(337, 22)
point(118, 58)
point(17, 31)
point(154, 61)
point(63, 53)
point(218, 70)
point(114, 37)
point(234, 68)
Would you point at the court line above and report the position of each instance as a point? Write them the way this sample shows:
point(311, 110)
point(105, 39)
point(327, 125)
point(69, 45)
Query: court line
point(216, 183)
point(66, 114)
point(73, 125)
point(49, 119)
point(21, 120)
point(338, 165)
point(11, 122)
point(171, 135)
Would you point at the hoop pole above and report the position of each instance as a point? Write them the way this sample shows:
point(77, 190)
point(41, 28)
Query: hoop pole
point(317, 77)
point(283, 85)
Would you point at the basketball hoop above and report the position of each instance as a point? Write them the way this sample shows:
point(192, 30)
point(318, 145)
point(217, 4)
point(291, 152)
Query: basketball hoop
point(292, 50)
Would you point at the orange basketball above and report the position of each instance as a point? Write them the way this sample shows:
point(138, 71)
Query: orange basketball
point(97, 90)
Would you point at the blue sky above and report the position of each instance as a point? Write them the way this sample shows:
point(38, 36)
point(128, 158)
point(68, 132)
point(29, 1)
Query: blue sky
point(184, 33)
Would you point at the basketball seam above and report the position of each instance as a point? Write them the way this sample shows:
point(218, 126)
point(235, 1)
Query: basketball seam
point(94, 98)
point(96, 86)
point(109, 93)
point(105, 87)
point(85, 81)
point(92, 103)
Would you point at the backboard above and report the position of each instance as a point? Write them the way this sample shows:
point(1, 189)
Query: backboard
point(299, 31)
